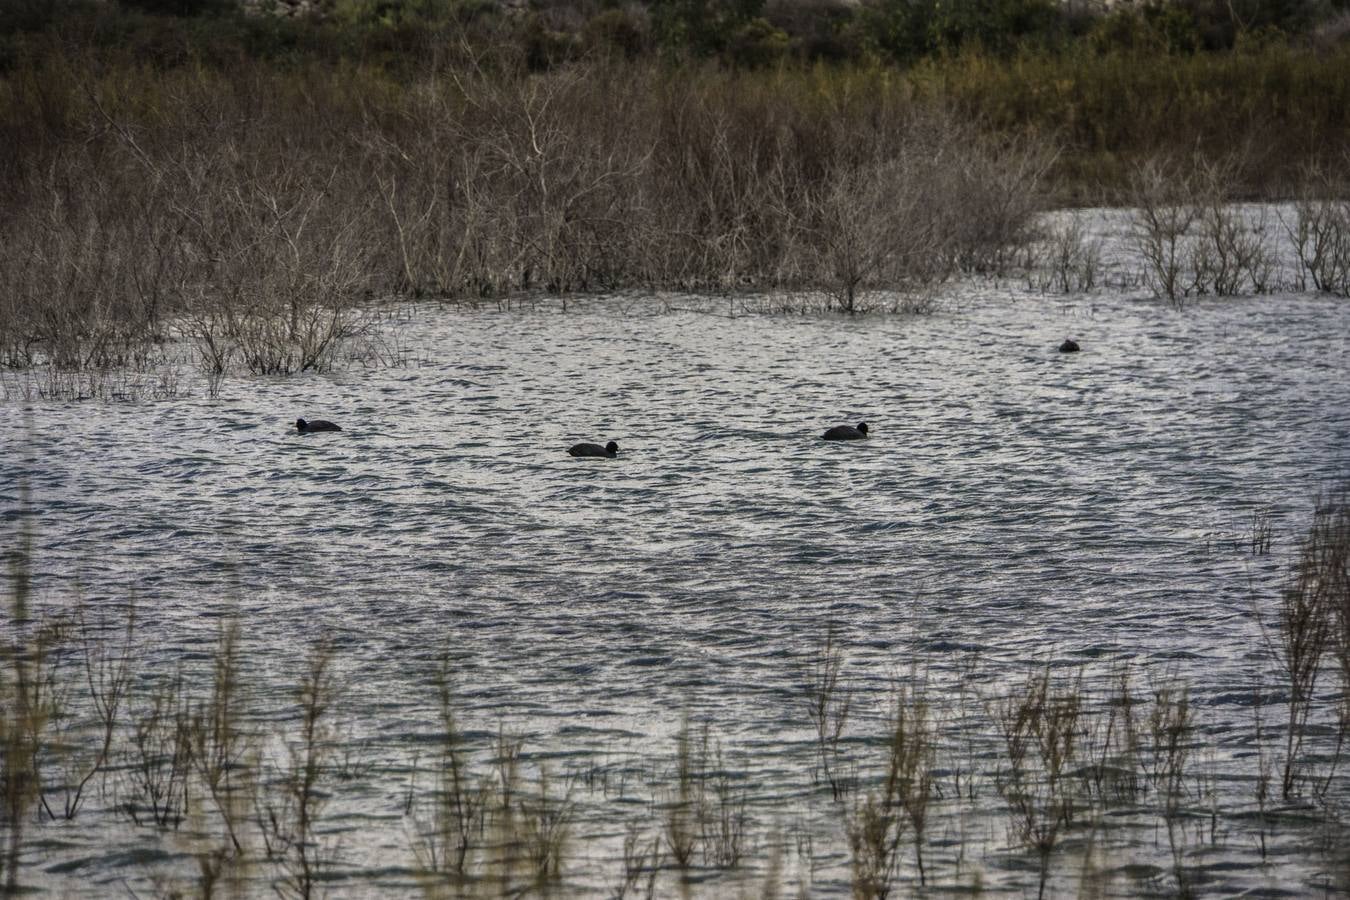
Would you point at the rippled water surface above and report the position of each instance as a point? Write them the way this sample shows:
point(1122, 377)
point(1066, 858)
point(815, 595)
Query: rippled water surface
point(1013, 504)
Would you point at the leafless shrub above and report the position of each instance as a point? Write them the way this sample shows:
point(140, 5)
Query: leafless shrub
point(1163, 218)
point(1229, 255)
point(995, 191)
point(876, 229)
point(904, 213)
point(84, 269)
point(1066, 259)
point(1320, 232)
point(1191, 238)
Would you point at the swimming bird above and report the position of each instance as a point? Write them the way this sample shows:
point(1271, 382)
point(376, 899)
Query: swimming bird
point(610, 450)
point(1069, 346)
point(846, 432)
point(317, 425)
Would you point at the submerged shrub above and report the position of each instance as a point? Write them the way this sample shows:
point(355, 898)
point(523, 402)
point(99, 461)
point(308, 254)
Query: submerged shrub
point(1321, 231)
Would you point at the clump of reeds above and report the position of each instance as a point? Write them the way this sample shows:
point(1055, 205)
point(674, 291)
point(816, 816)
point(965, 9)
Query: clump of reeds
point(704, 814)
point(1170, 733)
point(828, 701)
point(1068, 755)
point(642, 861)
point(25, 710)
point(1040, 727)
point(880, 820)
point(490, 826)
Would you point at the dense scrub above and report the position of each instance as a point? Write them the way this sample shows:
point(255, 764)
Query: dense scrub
point(247, 182)
point(254, 209)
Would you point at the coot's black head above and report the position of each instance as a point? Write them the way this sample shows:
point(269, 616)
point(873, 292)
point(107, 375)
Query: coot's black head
point(612, 448)
point(299, 424)
point(862, 426)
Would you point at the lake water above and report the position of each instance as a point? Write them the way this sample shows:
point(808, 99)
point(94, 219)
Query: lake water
point(1013, 506)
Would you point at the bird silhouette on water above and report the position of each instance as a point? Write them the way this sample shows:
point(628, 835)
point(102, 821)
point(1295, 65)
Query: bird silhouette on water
point(846, 433)
point(609, 451)
point(317, 425)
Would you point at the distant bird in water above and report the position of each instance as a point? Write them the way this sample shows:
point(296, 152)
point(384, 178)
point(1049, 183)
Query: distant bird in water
point(317, 425)
point(1069, 346)
point(846, 432)
point(610, 450)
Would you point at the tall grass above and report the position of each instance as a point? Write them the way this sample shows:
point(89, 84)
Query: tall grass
point(191, 756)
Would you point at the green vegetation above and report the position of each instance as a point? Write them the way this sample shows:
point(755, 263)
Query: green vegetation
point(1269, 79)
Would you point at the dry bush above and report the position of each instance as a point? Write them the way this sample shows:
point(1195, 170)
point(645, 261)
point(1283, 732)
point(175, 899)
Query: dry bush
point(996, 188)
point(1321, 231)
point(1230, 255)
point(1191, 238)
point(256, 213)
point(510, 182)
point(1064, 258)
point(1163, 219)
point(84, 268)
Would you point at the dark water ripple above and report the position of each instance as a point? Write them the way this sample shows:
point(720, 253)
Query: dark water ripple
point(1013, 503)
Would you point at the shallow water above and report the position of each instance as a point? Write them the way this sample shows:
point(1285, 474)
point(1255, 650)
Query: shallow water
point(1013, 505)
